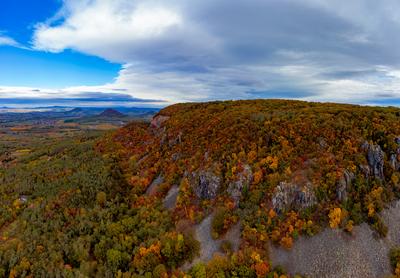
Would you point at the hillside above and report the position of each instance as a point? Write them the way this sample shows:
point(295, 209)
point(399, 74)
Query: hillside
point(112, 113)
point(298, 167)
point(160, 198)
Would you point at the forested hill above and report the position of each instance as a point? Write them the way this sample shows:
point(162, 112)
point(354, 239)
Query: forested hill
point(280, 168)
point(202, 190)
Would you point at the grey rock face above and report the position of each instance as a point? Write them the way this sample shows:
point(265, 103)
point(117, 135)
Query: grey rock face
point(153, 187)
point(176, 140)
point(244, 179)
point(292, 196)
point(205, 184)
point(365, 170)
point(375, 158)
point(344, 184)
point(393, 161)
point(158, 121)
point(394, 157)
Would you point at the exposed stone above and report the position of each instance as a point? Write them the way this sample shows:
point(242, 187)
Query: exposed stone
point(394, 162)
point(291, 196)
point(158, 121)
point(163, 139)
point(322, 143)
point(394, 157)
point(344, 184)
point(152, 188)
point(375, 158)
point(243, 180)
point(143, 158)
point(176, 156)
point(205, 184)
point(365, 170)
point(176, 140)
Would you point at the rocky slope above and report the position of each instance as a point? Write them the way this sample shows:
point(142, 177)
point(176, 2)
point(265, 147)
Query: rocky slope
point(333, 253)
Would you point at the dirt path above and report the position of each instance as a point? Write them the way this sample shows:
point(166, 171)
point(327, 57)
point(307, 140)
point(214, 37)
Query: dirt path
point(210, 246)
point(170, 199)
point(333, 253)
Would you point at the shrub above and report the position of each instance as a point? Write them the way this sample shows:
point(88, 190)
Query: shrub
point(217, 224)
point(101, 198)
point(226, 246)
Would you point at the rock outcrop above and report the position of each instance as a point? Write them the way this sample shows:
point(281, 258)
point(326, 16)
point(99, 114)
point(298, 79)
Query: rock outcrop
point(205, 184)
point(153, 187)
point(395, 157)
point(375, 158)
point(344, 184)
point(176, 140)
point(394, 162)
point(158, 121)
point(291, 196)
point(244, 178)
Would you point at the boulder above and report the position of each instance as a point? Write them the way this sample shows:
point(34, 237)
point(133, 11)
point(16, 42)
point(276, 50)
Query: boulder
point(292, 196)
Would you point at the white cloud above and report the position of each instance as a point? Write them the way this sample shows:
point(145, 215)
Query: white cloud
point(219, 49)
point(108, 29)
point(4, 40)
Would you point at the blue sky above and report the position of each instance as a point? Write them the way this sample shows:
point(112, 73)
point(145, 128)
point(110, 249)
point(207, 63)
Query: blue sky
point(24, 67)
point(157, 52)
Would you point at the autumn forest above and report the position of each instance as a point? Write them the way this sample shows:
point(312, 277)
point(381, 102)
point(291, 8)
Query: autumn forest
point(201, 190)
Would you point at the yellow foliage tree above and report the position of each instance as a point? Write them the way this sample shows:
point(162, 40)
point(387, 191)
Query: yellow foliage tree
point(335, 216)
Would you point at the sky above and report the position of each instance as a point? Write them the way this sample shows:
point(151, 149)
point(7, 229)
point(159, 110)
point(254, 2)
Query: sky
point(159, 52)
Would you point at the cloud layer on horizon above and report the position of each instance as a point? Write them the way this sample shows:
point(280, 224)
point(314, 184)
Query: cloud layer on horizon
point(28, 97)
point(218, 49)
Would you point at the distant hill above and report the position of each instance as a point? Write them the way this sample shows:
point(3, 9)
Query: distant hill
point(111, 113)
point(75, 110)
